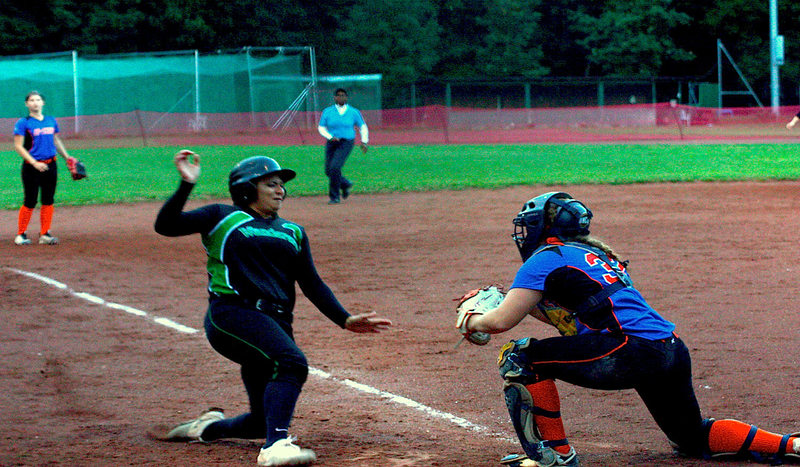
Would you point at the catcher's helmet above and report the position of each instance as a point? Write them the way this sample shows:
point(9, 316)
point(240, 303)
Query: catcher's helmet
point(572, 218)
point(245, 174)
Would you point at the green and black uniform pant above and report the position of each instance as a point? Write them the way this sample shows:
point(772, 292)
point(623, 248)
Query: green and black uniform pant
point(273, 369)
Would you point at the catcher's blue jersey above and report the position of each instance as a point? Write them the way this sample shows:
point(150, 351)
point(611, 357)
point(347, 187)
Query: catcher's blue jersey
point(568, 274)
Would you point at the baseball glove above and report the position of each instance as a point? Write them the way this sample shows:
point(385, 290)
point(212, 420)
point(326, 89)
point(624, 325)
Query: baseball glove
point(76, 168)
point(562, 319)
point(477, 302)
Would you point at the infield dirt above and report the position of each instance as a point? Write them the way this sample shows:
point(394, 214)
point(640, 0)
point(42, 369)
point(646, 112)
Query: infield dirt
point(84, 384)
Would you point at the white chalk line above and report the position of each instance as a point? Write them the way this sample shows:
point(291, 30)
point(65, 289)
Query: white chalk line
point(99, 301)
point(404, 401)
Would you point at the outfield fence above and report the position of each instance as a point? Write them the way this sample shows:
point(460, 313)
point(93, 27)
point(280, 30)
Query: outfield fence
point(439, 125)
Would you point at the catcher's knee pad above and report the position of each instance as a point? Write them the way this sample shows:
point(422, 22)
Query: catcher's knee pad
point(521, 409)
point(513, 364)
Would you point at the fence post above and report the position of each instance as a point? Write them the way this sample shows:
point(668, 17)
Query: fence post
point(527, 95)
point(413, 103)
point(653, 89)
point(76, 91)
point(600, 94)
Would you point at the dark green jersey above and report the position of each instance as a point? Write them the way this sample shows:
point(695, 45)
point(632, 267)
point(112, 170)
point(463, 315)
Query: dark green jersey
point(251, 257)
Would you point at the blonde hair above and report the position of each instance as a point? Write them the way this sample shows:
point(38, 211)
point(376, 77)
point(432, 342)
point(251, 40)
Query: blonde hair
point(597, 243)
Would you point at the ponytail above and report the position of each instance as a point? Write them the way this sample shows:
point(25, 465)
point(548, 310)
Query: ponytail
point(597, 243)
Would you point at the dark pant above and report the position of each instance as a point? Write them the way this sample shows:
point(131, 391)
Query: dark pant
point(273, 369)
point(336, 153)
point(33, 181)
point(660, 372)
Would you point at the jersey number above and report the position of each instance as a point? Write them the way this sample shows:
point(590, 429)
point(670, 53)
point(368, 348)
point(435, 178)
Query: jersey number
point(611, 277)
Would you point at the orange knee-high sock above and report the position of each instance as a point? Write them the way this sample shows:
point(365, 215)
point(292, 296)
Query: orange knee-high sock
point(25, 214)
point(547, 412)
point(46, 216)
point(732, 436)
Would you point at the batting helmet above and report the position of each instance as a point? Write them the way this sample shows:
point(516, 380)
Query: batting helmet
point(244, 175)
point(572, 218)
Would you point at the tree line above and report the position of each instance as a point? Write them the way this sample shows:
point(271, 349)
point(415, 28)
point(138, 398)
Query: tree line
point(412, 40)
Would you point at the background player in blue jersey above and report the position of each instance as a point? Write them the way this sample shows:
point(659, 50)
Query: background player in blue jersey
point(255, 258)
point(36, 140)
point(611, 339)
point(337, 124)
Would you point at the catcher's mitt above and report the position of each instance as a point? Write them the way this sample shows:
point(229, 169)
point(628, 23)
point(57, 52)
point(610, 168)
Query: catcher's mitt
point(562, 319)
point(76, 168)
point(477, 302)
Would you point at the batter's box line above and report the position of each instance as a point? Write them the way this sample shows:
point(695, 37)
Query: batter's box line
point(400, 400)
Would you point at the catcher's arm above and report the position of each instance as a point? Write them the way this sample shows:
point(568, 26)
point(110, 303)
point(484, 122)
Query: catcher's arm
point(516, 306)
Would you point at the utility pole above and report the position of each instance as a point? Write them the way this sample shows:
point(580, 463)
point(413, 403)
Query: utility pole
point(776, 56)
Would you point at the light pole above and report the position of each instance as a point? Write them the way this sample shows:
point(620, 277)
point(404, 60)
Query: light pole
point(775, 56)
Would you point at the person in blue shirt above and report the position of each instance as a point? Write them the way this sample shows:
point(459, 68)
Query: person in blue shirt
point(613, 340)
point(36, 141)
point(337, 125)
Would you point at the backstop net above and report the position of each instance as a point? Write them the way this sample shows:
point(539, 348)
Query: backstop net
point(159, 92)
point(273, 95)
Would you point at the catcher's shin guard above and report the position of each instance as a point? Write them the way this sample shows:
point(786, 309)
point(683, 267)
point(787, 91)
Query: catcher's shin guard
point(748, 441)
point(520, 408)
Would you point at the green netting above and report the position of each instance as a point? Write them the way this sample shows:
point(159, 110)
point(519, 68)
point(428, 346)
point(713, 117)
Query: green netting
point(249, 80)
point(49, 74)
point(363, 91)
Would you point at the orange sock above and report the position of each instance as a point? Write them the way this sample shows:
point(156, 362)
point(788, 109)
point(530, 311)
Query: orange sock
point(545, 399)
point(24, 218)
point(733, 435)
point(46, 216)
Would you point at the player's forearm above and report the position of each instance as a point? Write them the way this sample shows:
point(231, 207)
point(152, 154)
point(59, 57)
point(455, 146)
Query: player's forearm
point(169, 219)
point(26, 156)
point(514, 308)
point(60, 148)
point(491, 322)
point(324, 132)
point(20, 148)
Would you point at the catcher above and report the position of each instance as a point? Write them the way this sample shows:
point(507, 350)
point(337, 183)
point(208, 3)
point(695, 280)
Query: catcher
point(611, 339)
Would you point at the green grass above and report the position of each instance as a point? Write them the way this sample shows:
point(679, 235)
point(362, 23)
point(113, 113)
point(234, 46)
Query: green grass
point(135, 174)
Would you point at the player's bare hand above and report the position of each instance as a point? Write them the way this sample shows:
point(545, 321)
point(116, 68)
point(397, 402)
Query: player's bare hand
point(364, 148)
point(41, 166)
point(366, 322)
point(188, 165)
